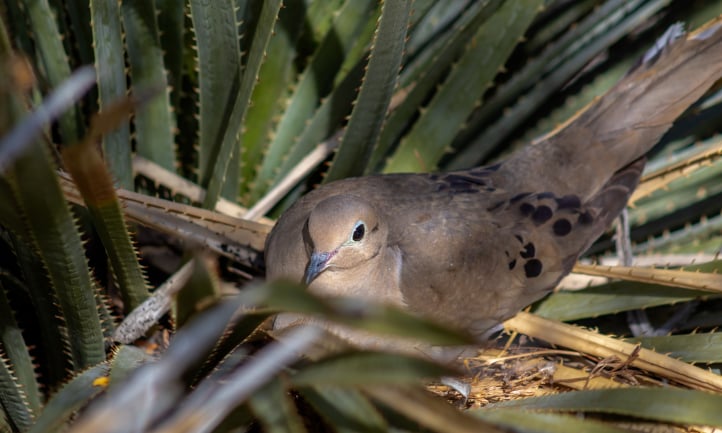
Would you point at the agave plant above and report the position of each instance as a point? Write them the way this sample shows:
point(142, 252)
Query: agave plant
point(204, 120)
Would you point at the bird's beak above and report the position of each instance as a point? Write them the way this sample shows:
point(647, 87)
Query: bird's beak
point(317, 264)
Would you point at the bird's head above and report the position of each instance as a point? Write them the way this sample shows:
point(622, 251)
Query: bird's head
point(343, 232)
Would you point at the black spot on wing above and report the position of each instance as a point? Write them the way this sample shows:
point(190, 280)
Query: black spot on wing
point(562, 227)
point(526, 209)
point(585, 218)
point(529, 251)
point(568, 202)
point(533, 268)
point(542, 214)
point(564, 212)
point(512, 264)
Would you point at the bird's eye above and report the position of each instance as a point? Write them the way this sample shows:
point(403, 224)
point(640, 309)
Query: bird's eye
point(359, 231)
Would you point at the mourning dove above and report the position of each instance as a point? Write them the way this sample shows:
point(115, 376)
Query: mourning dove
point(471, 248)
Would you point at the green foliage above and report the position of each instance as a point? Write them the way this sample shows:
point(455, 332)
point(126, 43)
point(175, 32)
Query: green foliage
point(375, 93)
point(234, 95)
point(673, 405)
point(154, 123)
point(110, 68)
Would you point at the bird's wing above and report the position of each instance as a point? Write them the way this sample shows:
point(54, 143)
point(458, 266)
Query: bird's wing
point(489, 253)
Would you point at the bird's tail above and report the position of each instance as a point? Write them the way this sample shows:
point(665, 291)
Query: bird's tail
point(610, 200)
point(624, 124)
